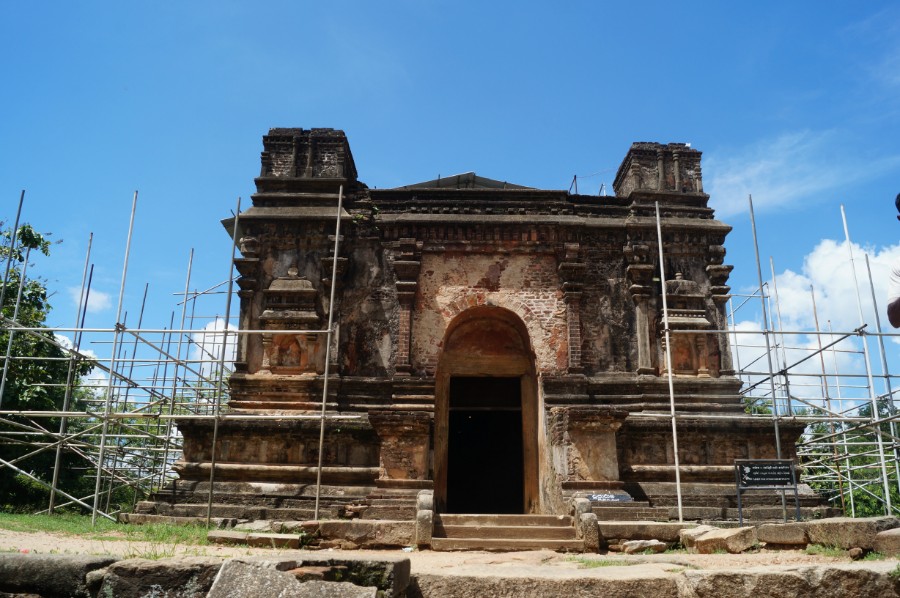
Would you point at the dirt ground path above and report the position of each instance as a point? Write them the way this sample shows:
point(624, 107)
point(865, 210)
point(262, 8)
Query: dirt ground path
point(458, 563)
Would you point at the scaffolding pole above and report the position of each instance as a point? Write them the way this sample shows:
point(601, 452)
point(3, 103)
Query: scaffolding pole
point(334, 268)
point(662, 276)
point(218, 389)
point(865, 344)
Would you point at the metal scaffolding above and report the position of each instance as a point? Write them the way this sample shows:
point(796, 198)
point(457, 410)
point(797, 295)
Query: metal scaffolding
point(119, 425)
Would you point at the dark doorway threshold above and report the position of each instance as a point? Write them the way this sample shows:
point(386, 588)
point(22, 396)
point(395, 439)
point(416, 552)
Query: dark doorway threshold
point(485, 465)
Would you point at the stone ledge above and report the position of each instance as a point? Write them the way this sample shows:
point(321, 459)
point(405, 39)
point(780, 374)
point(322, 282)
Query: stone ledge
point(49, 575)
point(847, 532)
point(642, 530)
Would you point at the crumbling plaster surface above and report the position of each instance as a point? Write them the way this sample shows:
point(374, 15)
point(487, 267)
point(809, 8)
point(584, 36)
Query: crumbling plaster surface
point(369, 311)
point(525, 285)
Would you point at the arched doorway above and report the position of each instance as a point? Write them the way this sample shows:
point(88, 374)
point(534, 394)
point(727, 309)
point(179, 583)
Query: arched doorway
point(486, 416)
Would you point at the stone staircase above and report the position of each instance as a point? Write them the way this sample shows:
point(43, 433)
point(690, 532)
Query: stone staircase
point(505, 532)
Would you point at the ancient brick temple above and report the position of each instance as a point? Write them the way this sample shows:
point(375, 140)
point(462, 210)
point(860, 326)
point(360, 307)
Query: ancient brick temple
point(497, 344)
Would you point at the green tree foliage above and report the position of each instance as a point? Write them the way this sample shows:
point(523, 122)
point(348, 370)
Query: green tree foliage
point(36, 383)
point(862, 463)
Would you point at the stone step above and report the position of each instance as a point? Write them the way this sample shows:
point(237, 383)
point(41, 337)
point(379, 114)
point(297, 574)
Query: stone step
point(142, 519)
point(616, 504)
point(393, 501)
point(448, 544)
point(377, 511)
point(631, 513)
point(642, 530)
point(504, 520)
point(527, 532)
point(730, 501)
point(245, 512)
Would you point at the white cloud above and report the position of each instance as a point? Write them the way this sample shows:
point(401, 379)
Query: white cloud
point(783, 171)
point(207, 345)
point(827, 269)
point(97, 300)
point(96, 378)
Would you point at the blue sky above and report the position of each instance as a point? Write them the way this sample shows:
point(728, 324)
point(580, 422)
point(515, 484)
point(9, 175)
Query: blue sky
point(797, 103)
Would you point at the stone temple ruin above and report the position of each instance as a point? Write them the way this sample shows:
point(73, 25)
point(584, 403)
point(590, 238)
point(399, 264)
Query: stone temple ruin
point(496, 344)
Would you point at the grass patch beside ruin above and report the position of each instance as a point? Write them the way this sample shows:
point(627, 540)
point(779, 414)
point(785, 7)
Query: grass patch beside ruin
point(589, 563)
point(829, 551)
point(70, 524)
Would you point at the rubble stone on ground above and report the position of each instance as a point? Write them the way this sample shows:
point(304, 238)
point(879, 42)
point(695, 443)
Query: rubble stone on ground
point(849, 532)
point(732, 540)
point(181, 577)
point(783, 534)
point(258, 579)
point(50, 575)
point(688, 536)
point(636, 546)
point(888, 542)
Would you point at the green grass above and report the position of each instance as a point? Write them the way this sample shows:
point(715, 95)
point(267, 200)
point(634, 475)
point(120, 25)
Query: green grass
point(105, 530)
point(829, 551)
point(589, 563)
point(895, 574)
point(874, 556)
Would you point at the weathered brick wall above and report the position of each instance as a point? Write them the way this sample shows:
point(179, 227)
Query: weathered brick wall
point(607, 311)
point(526, 285)
point(369, 309)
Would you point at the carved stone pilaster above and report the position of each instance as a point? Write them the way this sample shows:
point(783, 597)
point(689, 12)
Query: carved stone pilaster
point(327, 268)
point(404, 439)
point(698, 177)
point(677, 168)
point(660, 170)
point(634, 172)
point(718, 278)
point(406, 266)
point(247, 266)
point(640, 278)
point(584, 440)
point(571, 273)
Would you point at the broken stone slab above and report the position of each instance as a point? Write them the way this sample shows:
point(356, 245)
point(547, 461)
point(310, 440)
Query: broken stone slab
point(179, 577)
point(688, 537)
point(364, 533)
point(236, 578)
point(387, 573)
point(733, 540)
point(258, 525)
point(312, 572)
point(48, 574)
point(783, 534)
point(334, 589)
point(642, 530)
point(849, 532)
point(273, 540)
point(636, 546)
point(226, 537)
point(240, 578)
point(609, 582)
point(888, 542)
point(833, 581)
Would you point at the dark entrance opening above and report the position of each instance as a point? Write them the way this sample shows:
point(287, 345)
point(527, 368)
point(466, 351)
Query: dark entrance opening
point(485, 465)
